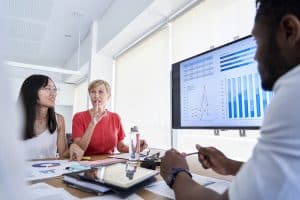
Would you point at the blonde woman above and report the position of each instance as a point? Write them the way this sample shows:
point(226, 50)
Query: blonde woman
point(97, 130)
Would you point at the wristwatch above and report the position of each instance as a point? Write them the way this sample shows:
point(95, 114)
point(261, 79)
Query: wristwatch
point(175, 171)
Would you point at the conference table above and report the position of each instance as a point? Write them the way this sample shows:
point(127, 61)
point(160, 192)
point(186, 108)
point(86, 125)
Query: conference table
point(194, 165)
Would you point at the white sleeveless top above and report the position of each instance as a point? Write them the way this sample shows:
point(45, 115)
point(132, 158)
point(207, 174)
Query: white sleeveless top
point(42, 146)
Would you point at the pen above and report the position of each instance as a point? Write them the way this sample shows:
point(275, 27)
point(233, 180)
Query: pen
point(86, 158)
point(189, 154)
point(208, 183)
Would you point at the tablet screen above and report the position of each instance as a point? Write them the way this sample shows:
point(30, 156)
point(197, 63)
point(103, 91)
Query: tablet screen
point(119, 175)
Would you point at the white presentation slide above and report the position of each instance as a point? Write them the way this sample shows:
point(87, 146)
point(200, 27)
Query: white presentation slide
point(222, 88)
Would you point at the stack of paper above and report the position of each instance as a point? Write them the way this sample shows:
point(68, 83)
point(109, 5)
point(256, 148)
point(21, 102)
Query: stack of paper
point(161, 188)
point(41, 191)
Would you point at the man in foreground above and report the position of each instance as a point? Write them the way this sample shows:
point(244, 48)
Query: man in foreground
point(272, 171)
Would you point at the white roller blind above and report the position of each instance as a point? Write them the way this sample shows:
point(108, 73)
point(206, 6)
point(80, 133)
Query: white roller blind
point(211, 23)
point(143, 89)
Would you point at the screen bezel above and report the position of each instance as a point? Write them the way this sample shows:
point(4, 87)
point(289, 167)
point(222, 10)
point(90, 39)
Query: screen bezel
point(175, 94)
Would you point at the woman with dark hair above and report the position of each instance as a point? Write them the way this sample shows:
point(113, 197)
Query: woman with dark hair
point(44, 130)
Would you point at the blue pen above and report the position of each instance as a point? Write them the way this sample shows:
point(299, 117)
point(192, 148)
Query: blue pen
point(208, 183)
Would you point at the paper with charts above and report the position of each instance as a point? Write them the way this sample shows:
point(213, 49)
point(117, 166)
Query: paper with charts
point(36, 170)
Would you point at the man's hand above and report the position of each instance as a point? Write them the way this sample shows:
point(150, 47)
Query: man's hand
point(76, 153)
point(172, 159)
point(211, 157)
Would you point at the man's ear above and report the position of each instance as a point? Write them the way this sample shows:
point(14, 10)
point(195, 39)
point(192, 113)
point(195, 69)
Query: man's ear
point(289, 30)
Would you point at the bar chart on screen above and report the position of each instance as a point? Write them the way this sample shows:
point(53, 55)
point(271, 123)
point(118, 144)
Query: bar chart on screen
point(245, 97)
point(220, 88)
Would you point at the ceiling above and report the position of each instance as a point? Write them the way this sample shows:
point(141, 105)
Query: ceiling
point(46, 32)
point(150, 19)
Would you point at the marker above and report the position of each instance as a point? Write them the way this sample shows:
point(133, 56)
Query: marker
point(86, 158)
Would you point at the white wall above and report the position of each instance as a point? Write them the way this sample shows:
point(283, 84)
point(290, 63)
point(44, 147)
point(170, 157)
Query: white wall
point(67, 112)
point(80, 97)
point(65, 95)
point(143, 89)
point(16, 83)
point(102, 68)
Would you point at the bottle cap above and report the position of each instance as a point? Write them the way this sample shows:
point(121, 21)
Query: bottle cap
point(134, 129)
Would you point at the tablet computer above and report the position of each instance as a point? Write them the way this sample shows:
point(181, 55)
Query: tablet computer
point(116, 175)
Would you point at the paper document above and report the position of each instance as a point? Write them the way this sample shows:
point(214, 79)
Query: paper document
point(41, 191)
point(36, 170)
point(220, 186)
point(161, 188)
point(114, 197)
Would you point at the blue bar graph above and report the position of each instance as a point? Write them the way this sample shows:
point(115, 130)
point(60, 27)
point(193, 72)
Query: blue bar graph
point(264, 96)
point(257, 95)
point(245, 96)
point(229, 98)
point(234, 99)
point(251, 96)
point(237, 59)
point(240, 97)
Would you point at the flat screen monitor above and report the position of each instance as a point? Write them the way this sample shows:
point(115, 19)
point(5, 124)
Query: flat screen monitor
point(220, 88)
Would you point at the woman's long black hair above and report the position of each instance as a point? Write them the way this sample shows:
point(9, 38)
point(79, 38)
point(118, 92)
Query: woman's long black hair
point(28, 98)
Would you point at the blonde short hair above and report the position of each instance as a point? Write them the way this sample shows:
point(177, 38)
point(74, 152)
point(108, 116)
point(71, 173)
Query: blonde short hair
point(98, 82)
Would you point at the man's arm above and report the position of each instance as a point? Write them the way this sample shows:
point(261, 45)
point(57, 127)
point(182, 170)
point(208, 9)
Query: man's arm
point(210, 157)
point(186, 188)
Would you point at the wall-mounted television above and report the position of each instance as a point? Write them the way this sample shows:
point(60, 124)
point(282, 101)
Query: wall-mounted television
point(219, 89)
